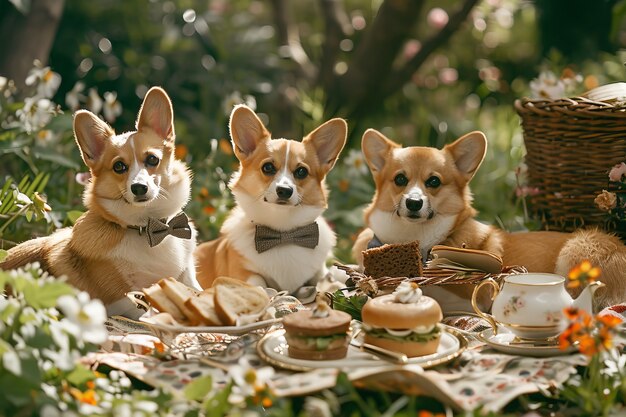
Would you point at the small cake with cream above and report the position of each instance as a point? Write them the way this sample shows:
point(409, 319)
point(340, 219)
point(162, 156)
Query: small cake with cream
point(405, 321)
point(317, 334)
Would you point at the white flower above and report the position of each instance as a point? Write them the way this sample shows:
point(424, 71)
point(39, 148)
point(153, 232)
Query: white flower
point(247, 379)
point(47, 81)
point(36, 113)
point(316, 407)
point(49, 410)
point(64, 359)
point(547, 86)
point(94, 102)
point(74, 97)
point(12, 363)
point(84, 318)
point(22, 199)
point(45, 136)
point(356, 161)
point(112, 108)
point(3, 82)
point(235, 98)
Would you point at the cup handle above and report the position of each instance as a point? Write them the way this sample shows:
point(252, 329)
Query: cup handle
point(496, 289)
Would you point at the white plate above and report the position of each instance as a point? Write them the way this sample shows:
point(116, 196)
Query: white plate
point(175, 330)
point(273, 348)
point(507, 342)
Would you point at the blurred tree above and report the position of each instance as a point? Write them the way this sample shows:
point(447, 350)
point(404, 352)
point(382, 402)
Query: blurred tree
point(576, 28)
point(27, 30)
point(357, 84)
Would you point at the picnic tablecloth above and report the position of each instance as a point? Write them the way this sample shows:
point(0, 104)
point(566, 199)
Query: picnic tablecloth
point(480, 377)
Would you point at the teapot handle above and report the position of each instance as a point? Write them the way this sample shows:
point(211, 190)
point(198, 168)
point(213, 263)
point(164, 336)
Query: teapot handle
point(496, 289)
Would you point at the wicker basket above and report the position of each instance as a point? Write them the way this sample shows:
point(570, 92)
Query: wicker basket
point(571, 144)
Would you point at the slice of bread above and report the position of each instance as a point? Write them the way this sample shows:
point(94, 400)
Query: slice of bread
point(178, 293)
point(160, 301)
point(232, 301)
point(203, 307)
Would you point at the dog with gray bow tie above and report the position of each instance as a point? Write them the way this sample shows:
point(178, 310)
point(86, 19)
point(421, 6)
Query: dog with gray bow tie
point(134, 232)
point(276, 235)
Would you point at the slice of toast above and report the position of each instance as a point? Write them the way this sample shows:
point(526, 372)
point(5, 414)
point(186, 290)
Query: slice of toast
point(178, 293)
point(203, 307)
point(232, 301)
point(160, 301)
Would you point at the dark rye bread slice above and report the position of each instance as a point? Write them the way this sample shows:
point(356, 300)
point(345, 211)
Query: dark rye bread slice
point(302, 323)
point(394, 260)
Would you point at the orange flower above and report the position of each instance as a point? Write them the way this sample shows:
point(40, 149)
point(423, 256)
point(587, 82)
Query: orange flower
point(204, 192)
point(608, 321)
point(208, 210)
point(91, 384)
point(226, 147)
point(87, 397)
point(571, 313)
point(344, 185)
point(426, 413)
point(583, 274)
point(181, 151)
point(267, 402)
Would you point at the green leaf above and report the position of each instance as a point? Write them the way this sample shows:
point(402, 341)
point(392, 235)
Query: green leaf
point(17, 391)
point(218, 405)
point(199, 388)
point(80, 376)
point(3, 254)
point(73, 215)
point(46, 296)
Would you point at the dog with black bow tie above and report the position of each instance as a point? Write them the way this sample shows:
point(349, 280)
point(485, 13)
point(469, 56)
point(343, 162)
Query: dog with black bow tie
point(275, 236)
point(134, 232)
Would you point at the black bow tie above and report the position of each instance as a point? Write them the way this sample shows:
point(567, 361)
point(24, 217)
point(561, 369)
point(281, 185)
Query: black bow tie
point(158, 229)
point(267, 238)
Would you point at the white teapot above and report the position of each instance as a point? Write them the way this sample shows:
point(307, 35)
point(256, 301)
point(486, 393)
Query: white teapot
point(531, 305)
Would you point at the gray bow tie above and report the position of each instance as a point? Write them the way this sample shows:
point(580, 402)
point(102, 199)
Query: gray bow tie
point(158, 229)
point(266, 238)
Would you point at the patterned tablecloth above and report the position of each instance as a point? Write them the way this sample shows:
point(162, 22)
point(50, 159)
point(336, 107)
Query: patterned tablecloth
point(479, 377)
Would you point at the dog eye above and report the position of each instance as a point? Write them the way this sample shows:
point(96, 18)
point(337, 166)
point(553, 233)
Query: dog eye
point(152, 161)
point(301, 173)
point(268, 168)
point(401, 180)
point(119, 167)
point(433, 182)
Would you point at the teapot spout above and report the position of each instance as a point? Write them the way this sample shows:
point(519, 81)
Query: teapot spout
point(585, 299)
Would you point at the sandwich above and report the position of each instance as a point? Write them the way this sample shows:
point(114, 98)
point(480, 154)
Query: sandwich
point(405, 321)
point(318, 334)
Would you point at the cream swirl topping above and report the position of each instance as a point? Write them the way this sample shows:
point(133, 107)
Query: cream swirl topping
point(321, 310)
point(407, 293)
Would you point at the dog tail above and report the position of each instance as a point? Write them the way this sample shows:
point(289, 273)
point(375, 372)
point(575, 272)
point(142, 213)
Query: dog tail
point(25, 253)
point(603, 250)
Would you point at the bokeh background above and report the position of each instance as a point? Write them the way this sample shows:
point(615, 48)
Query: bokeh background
point(422, 72)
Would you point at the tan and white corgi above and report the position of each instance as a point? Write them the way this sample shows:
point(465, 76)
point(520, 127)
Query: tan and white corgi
point(134, 232)
point(422, 194)
point(276, 235)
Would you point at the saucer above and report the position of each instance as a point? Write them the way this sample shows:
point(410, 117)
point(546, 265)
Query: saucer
point(507, 342)
point(273, 348)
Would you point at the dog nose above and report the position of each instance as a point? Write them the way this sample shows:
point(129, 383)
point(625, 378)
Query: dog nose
point(414, 204)
point(139, 189)
point(284, 192)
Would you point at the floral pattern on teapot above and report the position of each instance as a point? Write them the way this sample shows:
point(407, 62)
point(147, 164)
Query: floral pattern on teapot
point(515, 303)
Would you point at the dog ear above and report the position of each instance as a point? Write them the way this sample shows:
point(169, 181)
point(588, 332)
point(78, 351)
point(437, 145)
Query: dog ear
point(156, 113)
point(468, 152)
point(246, 131)
point(376, 148)
point(91, 135)
point(328, 140)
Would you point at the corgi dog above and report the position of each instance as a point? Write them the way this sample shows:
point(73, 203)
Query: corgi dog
point(422, 194)
point(134, 232)
point(276, 235)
